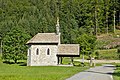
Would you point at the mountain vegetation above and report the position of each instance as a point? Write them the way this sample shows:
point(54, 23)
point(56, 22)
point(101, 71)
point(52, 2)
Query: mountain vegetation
point(78, 19)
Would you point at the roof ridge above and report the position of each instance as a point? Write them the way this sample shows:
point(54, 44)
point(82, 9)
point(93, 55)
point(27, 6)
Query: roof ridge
point(46, 33)
point(45, 38)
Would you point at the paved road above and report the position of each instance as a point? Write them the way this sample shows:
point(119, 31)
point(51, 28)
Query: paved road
point(98, 73)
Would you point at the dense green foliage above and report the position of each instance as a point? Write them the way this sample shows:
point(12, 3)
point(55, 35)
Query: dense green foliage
point(116, 74)
point(77, 17)
point(13, 45)
point(16, 72)
point(118, 50)
point(87, 43)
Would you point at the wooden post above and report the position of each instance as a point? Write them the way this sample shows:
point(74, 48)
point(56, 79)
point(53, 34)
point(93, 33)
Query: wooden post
point(91, 62)
point(72, 60)
point(61, 60)
point(58, 60)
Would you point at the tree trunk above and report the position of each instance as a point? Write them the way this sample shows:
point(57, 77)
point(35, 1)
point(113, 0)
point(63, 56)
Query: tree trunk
point(83, 59)
point(96, 20)
point(1, 48)
point(114, 21)
point(15, 60)
point(106, 9)
point(119, 19)
point(107, 22)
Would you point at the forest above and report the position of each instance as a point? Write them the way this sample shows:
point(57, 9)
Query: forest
point(80, 20)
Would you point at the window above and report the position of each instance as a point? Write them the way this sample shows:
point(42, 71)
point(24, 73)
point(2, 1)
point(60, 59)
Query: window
point(48, 51)
point(37, 51)
point(29, 52)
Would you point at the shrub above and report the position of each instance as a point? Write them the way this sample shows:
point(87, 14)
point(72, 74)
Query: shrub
point(118, 50)
point(97, 54)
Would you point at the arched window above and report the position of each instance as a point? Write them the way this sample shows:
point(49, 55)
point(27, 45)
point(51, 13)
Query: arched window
point(29, 52)
point(37, 51)
point(48, 51)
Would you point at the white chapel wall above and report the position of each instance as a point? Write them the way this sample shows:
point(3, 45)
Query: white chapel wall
point(42, 59)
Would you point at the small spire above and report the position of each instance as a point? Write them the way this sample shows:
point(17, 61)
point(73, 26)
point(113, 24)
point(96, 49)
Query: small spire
point(57, 26)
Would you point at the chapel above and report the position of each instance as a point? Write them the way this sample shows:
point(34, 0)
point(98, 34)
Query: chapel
point(45, 49)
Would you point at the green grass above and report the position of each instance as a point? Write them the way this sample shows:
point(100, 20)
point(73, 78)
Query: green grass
point(108, 51)
point(17, 72)
point(108, 54)
point(116, 74)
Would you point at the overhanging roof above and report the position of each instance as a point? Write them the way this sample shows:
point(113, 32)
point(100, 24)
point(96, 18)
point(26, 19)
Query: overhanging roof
point(68, 49)
point(44, 38)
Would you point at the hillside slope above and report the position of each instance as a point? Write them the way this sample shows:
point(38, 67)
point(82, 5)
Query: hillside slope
point(110, 40)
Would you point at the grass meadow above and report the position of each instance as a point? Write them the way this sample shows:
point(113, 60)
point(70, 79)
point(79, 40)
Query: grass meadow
point(116, 74)
point(22, 72)
point(19, 72)
point(108, 54)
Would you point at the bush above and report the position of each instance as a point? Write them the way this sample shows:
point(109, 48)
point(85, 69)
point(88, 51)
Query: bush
point(118, 50)
point(97, 54)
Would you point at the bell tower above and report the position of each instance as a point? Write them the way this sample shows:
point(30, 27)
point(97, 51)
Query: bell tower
point(58, 29)
point(57, 26)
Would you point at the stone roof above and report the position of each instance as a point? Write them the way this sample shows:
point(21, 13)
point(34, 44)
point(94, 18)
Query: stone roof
point(44, 38)
point(68, 49)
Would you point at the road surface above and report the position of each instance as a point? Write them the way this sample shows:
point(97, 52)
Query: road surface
point(98, 73)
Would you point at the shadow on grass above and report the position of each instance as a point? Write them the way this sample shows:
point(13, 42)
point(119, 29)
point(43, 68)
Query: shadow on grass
point(80, 64)
point(19, 63)
point(8, 62)
point(23, 64)
point(118, 66)
point(117, 71)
